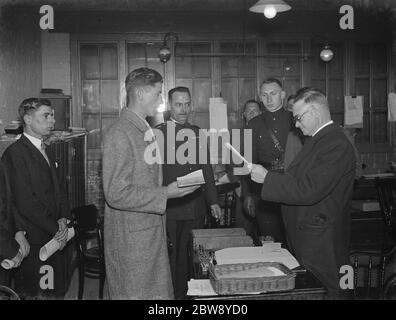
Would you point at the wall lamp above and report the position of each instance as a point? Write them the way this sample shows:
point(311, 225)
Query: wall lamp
point(270, 8)
point(326, 54)
point(164, 53)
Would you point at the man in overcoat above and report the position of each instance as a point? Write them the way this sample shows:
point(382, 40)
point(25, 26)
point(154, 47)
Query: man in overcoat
point(136, 253)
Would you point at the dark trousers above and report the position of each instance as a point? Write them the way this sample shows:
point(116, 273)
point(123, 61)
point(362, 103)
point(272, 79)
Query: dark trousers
point(269, 220)
point(28, 276)
point(5, 277)
point(179, 233)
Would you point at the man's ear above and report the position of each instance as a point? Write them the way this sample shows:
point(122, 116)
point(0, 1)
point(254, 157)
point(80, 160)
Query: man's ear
point(283, 95)
point(27, 118)
point(139, 93)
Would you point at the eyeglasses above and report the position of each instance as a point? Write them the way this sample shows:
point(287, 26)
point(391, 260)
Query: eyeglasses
point(298, 118)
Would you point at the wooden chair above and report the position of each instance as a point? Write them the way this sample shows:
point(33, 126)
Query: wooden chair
point(90, 247)
point(7, 293)
point(370, 265)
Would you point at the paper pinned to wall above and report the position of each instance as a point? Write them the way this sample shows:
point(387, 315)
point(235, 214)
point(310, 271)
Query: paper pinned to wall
point(353, 114)
point(218, 114)
point(392, 107)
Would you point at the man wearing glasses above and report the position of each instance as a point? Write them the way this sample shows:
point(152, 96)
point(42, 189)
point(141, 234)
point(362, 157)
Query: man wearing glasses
point(269, 135)
point(315, 191)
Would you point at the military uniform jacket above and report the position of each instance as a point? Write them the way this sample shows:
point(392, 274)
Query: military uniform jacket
point(192, 206)
point(263, 148)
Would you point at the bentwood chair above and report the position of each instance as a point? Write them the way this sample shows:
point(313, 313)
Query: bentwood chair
point(7, 293)
point(375, 268)
point(90, 247)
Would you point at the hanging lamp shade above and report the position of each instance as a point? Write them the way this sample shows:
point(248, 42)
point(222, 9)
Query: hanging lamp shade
point(278, 5)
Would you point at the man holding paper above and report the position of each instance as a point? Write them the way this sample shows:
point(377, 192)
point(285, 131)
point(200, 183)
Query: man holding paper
point(136, 255)
point(42, 206)
point(189, 212)
point(315, 191)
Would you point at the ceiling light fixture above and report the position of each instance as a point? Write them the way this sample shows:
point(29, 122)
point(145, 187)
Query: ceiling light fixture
point(270, 8)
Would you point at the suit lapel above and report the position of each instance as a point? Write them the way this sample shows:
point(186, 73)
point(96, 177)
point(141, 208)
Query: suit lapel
point(47, 168)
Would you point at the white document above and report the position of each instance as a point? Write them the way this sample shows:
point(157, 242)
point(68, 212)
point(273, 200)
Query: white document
point(192, 179)
point(392, 107)
point(200, 287)
point(52, 246)
point(353, 115)
point(7, 264)
point(218, 114)
point(255, 254)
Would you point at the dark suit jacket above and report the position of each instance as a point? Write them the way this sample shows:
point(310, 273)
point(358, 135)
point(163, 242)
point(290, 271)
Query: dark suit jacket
point(192, 206)
point(8, 245)
point(316, 193)
point(39, 200)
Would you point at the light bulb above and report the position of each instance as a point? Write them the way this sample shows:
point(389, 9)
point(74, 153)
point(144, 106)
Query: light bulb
point(270, 12)
point(161, 107)
point(326, 54)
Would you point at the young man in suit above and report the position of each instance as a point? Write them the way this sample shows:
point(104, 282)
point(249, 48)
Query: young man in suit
point(187, 213)
point(42, 207)
point(315, 191)
point(13, 244)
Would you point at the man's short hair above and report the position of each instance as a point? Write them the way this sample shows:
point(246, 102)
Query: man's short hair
point(31, 104)
point(141, 77)
point(271, 80)
point(178, 89)
point(310, 94)
point(251, 101)
point(291, 97)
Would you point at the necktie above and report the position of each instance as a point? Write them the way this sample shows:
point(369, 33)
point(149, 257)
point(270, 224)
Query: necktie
point(42, 150)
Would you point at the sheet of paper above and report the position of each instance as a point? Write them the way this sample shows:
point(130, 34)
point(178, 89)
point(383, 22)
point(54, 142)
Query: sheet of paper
point(392, 107)
point(52, 246)
point(200, 287)
point(192, 179)
point(218, 114)
point(353, 115)
point(255, 254)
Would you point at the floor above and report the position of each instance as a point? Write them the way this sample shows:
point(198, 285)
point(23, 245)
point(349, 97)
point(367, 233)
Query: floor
point(91, 289)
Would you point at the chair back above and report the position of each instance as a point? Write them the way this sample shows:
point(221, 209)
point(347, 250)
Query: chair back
point(86, 217)
point(386, 189)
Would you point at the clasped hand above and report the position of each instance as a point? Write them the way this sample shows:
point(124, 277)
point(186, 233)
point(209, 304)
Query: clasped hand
point(61, 235)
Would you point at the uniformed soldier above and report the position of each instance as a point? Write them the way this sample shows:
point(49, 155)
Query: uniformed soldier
point(269, 135)
point(187, 213)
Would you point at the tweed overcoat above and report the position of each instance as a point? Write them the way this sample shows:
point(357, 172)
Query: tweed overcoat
point(137, 262)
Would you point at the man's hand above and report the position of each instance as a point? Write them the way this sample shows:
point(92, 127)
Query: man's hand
point(173, 191)
point(61, 235)
point(17, 259)
point(250, 206)
point(215, 210)
point(23, 243)
point(258, 173)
